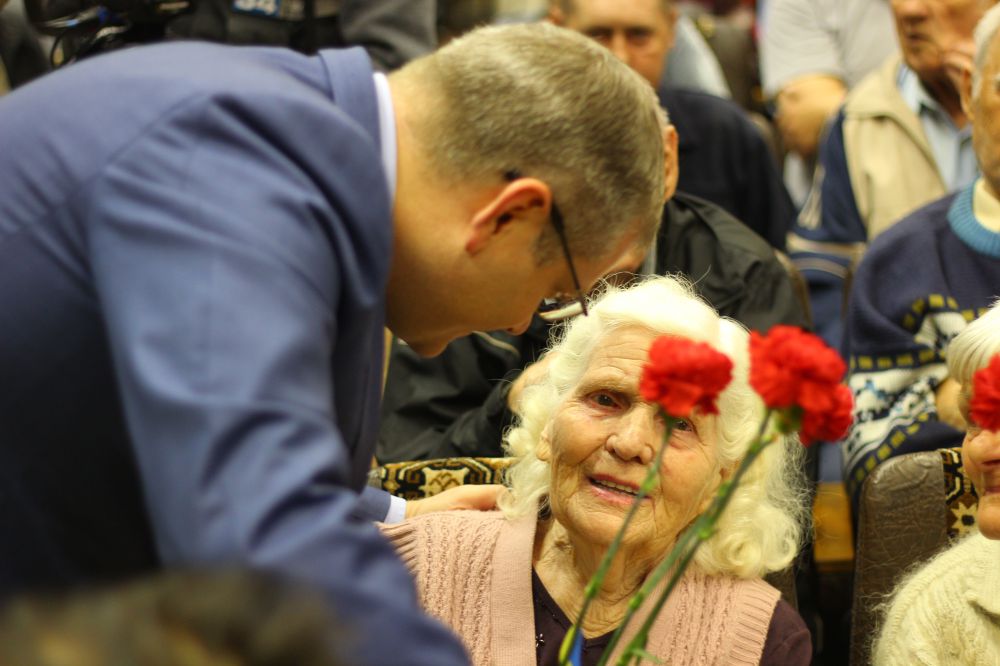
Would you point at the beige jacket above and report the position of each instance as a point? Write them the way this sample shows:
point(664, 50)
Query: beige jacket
point(473, 572)
point(892, 168)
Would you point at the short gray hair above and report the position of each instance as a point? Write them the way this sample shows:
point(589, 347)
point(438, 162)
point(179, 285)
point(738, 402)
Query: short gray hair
point(545, 102)
point(972, 349)
point(762, 527)
point(985, 31)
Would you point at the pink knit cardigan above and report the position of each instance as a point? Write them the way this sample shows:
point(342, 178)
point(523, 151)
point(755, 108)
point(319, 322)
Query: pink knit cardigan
point(473, 572)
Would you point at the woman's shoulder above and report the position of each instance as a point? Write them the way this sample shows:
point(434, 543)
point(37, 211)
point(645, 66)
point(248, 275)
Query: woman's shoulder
point(443, 534)
point(944, 573)
point(932, 604)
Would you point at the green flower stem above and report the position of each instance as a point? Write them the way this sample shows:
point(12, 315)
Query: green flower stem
point(685, 550)
point(639, 597)
point(590, 592)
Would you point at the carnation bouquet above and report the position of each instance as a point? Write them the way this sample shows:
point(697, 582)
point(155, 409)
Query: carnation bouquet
point(799, 379)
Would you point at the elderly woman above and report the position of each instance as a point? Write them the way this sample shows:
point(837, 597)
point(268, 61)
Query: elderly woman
point(510, 583)
point(948, 612)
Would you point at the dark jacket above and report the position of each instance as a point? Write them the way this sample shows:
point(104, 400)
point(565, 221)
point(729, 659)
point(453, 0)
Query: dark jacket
point(455, 404)
point(20, 55)
point(724, 159)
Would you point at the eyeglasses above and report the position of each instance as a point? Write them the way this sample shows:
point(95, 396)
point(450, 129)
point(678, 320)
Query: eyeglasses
point(560, 307)
point(556, 309)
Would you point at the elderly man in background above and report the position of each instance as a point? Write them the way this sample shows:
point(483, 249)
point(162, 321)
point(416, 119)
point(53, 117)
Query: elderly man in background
point(723, 157)
point(901, 140)
point(811, 53)
point(918, 286)
point(199, 248)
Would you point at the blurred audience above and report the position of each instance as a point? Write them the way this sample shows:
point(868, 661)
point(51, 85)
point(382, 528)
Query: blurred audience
point(917, 287)
point(723, 157)
point(393, 32)
point(21, 57)
point(900, 140)
point(811, 53)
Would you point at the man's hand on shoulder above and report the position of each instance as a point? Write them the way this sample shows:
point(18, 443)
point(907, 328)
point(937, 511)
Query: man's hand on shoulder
point(474, 497)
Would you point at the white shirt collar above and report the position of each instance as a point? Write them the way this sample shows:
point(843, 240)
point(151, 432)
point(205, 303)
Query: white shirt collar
point(387, 131)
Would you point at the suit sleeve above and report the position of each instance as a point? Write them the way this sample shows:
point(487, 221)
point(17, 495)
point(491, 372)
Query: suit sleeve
point(220, 260)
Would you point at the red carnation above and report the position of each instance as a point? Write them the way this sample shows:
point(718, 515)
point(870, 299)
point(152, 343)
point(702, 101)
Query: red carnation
point(794, 370)
point(984, 406)
point(682, 374)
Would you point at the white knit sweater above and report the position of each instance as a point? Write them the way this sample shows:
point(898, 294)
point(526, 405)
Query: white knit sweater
point(948, 612)
point(473, 572)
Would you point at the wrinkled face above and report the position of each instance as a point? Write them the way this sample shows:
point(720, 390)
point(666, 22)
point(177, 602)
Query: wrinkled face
point(928, 29)
point(601, 441)
point(638, 32)
point(984, 114)
point(981, 459)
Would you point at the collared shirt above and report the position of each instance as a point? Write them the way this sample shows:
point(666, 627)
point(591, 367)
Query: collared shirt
point(387, 131)
point(387, 135)
point(951, 146)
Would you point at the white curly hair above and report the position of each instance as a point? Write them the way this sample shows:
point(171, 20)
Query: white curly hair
point(762, 527)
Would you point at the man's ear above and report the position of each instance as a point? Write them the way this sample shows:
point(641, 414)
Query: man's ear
point(965, 92)
point(670, 161)
point(524, 200)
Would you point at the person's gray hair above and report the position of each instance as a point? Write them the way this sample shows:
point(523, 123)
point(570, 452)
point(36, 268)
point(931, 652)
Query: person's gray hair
point(762, 527)
point(972, 349)
point(542, 101)
point(983, 36)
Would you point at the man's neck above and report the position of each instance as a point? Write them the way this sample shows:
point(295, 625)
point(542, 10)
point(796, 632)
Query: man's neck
point(986, 205)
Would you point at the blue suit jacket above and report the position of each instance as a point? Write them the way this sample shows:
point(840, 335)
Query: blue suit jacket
point(194, 243)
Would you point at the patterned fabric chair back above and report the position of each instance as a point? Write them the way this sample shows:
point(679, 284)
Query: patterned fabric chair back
point(423, 478)
point(912, 507)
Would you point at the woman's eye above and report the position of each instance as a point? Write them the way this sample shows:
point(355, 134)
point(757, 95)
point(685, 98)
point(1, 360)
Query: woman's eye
point(603, 399)
point(683, 425)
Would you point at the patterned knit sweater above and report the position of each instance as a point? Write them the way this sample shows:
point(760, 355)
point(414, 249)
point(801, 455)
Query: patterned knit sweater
point(473, 572)
point(918, 286)
point(948, 612)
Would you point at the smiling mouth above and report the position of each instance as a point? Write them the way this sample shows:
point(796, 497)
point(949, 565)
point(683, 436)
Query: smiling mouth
point(630, 491)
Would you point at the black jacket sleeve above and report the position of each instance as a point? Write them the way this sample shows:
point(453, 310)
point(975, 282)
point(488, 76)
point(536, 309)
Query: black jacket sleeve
point(454, 404)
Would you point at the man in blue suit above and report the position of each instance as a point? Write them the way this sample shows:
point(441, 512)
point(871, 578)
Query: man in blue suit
point(199, 247)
